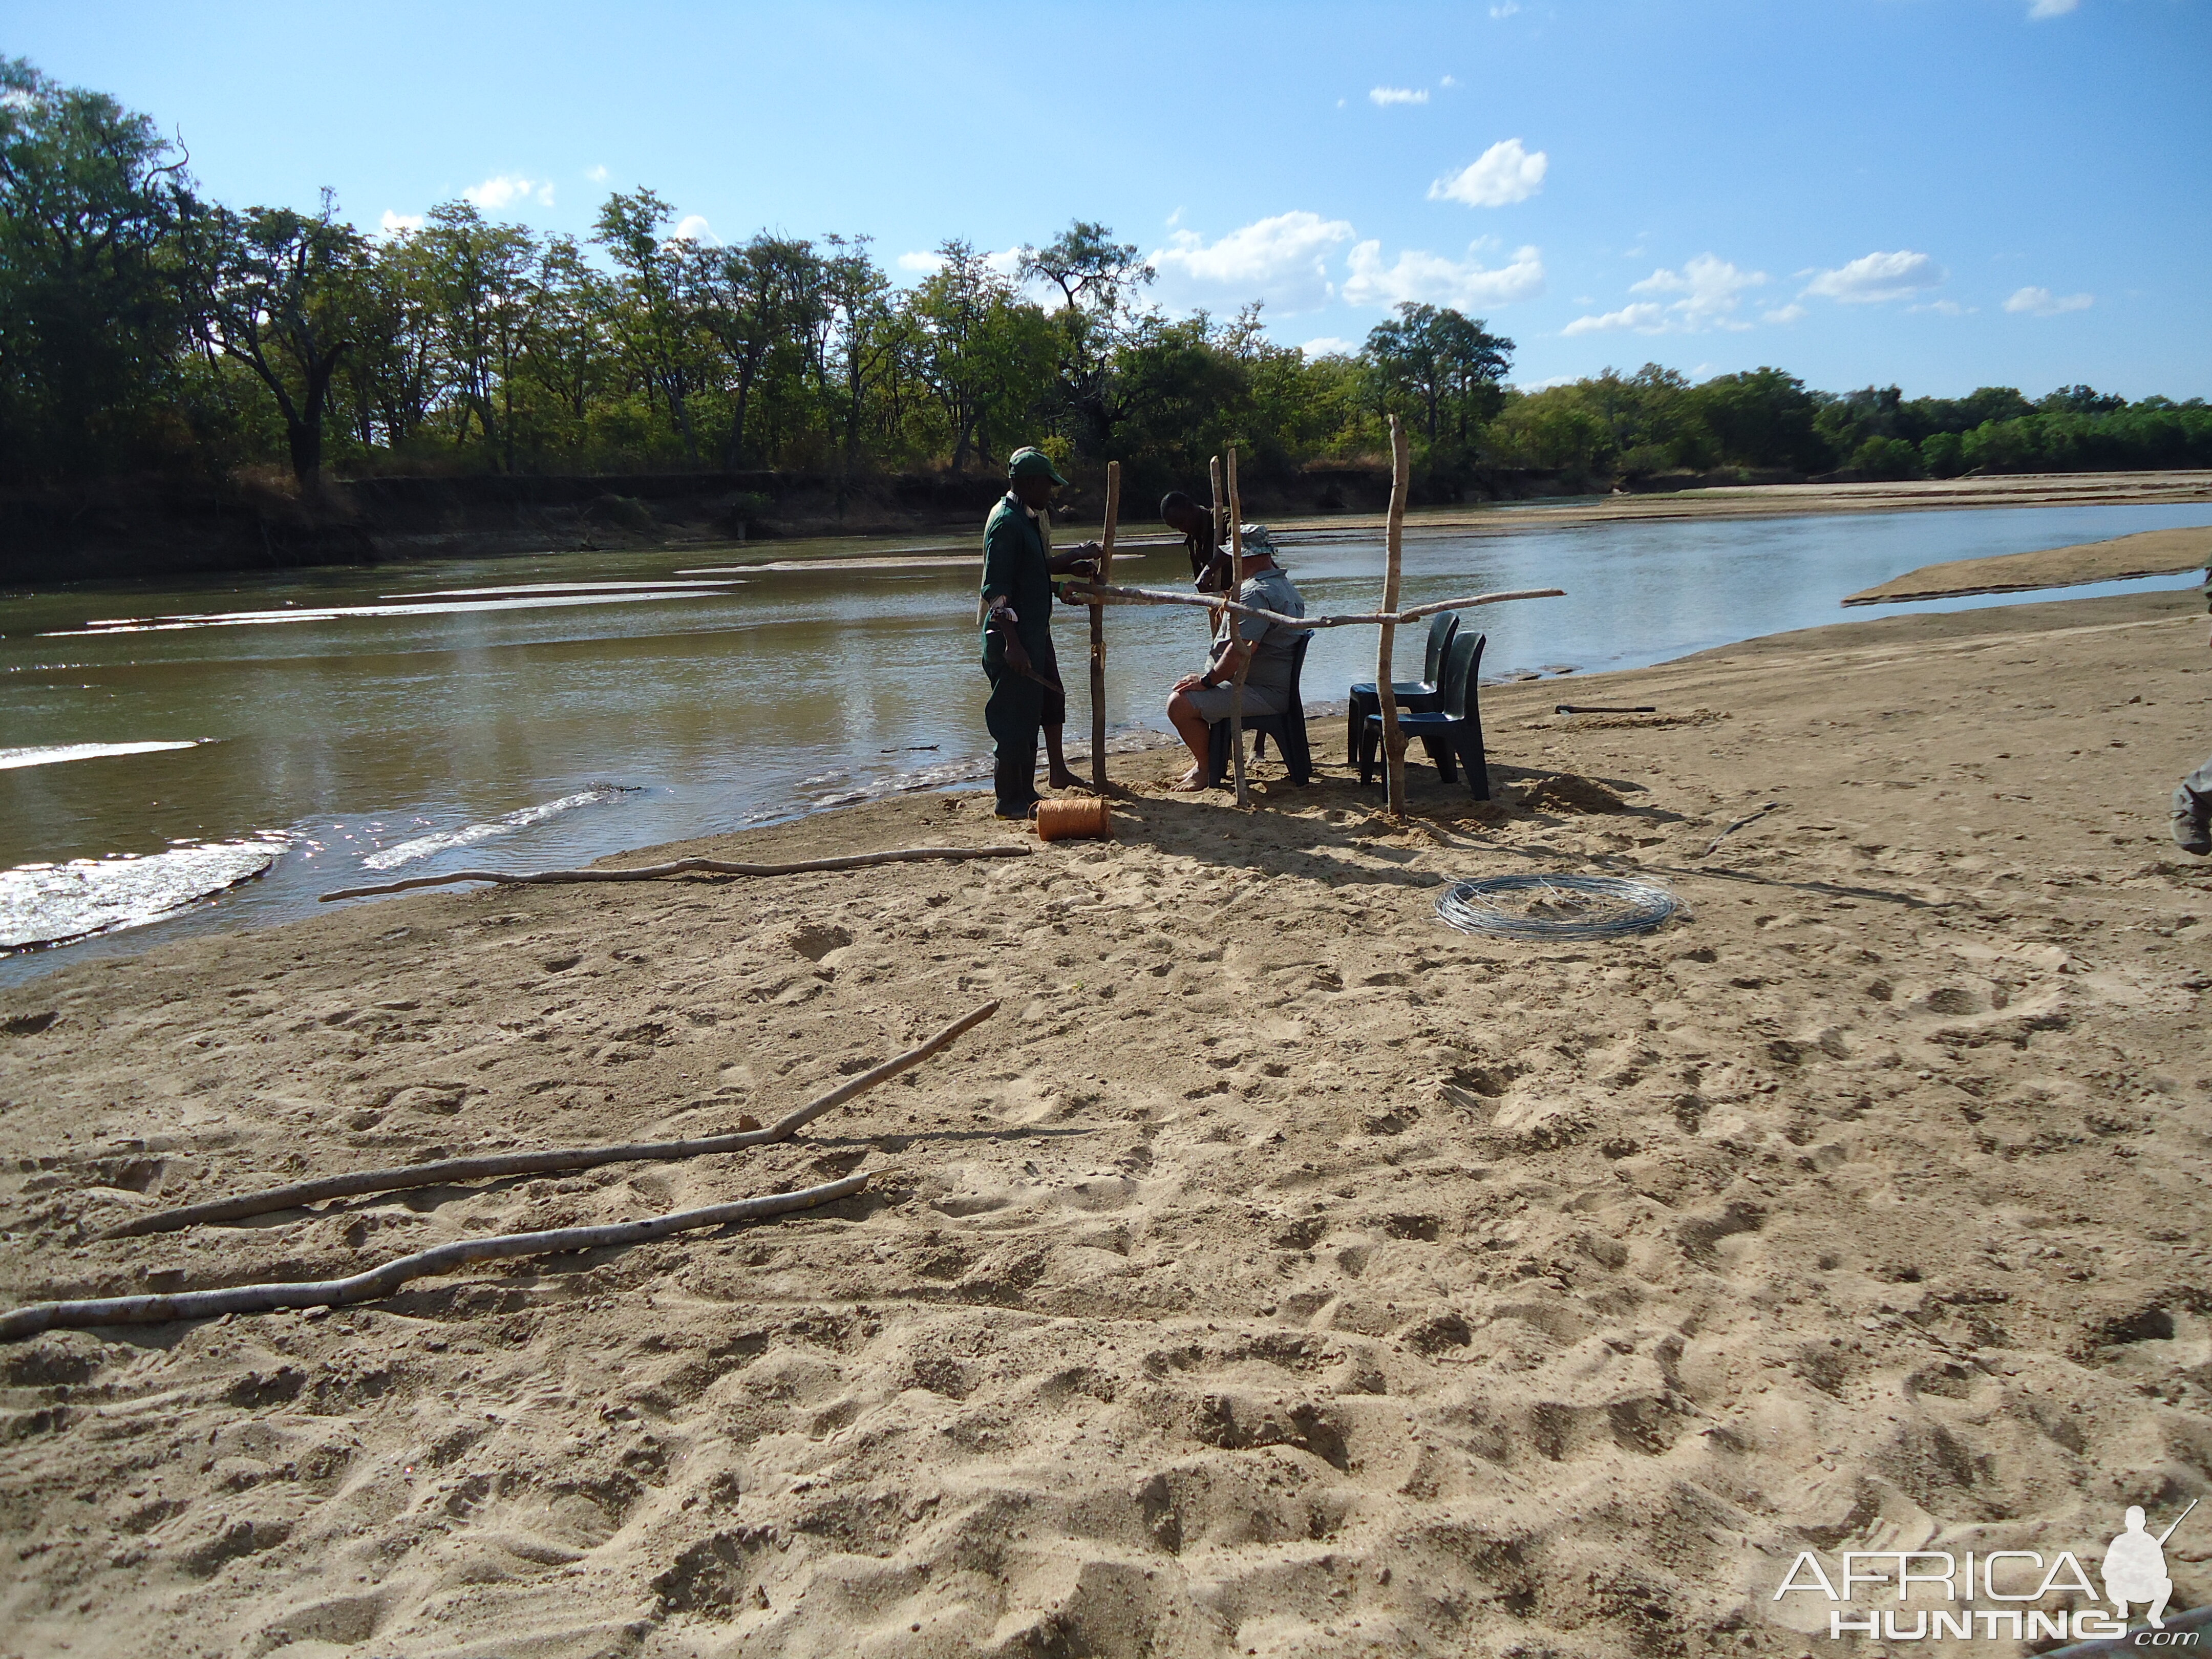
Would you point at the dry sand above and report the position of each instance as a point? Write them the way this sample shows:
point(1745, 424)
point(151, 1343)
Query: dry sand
point(1281, 1273)
point(2149, 553)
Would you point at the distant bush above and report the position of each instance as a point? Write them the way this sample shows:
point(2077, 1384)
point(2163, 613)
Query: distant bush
point(1886, 458)
point(2131, 440)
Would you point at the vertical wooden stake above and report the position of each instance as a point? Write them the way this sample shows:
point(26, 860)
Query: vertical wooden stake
point(1213, 477)
point(1098, 631)
point(1394, 737)
point(1235, 625)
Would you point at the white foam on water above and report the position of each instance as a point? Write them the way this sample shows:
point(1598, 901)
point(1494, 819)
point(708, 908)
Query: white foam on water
point(103, 625)
point(53, 903)
point(421, 846)
point(561, 588)
point(55, 754)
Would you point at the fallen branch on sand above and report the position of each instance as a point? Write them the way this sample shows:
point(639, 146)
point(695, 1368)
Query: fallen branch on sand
point(1713, 845)
point(383, 1281)
point(683, 866)
point(496, 1165)
point(1088, 592)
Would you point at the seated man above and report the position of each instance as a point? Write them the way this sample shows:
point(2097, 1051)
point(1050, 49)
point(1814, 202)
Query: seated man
point(1201, 699)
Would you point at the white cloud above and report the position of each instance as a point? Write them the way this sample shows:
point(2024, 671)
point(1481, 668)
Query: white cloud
point(1503, 173)
point(1878, 276)
point(1283, 260)
point(1383, 97)
point(1646, 318)
point(1710, 290)
point(1505, 10)
point(2042, 302)
point(1329, 346)
point(393, 223)
point(920, 263)
point(498, 194)
point(598, 175)
point(1448, 81)
point(1792, 312)
point(1433, 279)
point(2051, 8)
point(692, 228)
point(1545, 384)
point(1711, 287)
point(1946, 308)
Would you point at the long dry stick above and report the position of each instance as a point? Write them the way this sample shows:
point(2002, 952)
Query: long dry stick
point(1713, 845)
point(1091, 593)
point(1236, 641)
point(493, 1166)
point(1098, 631)
point(1394, 736)
point(383, 1281)
point(681, 867)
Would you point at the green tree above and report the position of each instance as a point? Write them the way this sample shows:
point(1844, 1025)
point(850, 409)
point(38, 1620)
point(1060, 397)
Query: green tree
point(481, 279)
point(866, 329)
point(569, 355)
point(278, 293)
point(1764, 418)
point(985, 353)
point(755, 300)
point(1444, 362)
point(92, 316)
point(653, 322)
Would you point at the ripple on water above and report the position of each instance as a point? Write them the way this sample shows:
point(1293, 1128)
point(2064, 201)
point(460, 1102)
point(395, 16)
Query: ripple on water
point(421, 846)
point(54, 904)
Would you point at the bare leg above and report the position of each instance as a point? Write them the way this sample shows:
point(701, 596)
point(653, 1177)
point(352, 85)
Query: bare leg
point(2158, 1607)
point(1196, 733)
point(1057, 774)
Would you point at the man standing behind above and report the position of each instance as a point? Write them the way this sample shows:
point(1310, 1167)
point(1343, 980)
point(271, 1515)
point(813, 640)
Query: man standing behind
point(1019, 566)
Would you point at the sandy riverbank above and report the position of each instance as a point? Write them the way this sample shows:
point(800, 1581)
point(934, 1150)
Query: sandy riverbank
point(2148, 553)
point(1280, 1273)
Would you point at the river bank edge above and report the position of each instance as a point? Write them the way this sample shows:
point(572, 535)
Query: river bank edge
point(132, 529)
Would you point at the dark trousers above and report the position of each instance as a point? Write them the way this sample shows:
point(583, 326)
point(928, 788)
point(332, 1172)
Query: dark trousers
point(1013, 714)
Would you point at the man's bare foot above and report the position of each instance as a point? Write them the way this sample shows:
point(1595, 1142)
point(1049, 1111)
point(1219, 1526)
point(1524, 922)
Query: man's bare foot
point(1063, 778)
point(1190, 783)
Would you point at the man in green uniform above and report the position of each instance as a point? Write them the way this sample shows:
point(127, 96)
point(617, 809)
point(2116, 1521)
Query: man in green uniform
point(1019, 566)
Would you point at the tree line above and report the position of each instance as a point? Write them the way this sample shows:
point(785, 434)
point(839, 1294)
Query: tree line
point(144, 328)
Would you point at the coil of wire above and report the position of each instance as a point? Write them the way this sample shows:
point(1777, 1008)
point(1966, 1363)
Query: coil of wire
point(1555, 907)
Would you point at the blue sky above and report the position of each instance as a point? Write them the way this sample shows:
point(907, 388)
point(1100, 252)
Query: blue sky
point(1941, 193)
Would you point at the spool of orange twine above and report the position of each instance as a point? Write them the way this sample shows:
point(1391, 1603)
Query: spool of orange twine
point(1080, 816)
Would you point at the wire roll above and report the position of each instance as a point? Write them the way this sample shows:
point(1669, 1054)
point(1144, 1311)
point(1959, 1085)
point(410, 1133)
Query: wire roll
point(1555, 907)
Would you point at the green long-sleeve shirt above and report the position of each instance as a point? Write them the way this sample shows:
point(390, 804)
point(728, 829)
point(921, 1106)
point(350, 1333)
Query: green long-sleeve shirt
point(1015, 568)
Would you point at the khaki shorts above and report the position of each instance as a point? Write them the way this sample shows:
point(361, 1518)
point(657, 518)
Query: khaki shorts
point(1213, 702)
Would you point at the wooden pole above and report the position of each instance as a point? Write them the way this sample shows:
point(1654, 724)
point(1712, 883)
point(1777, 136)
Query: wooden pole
point(1236, 593)
point(1214, 476)
point(1394, 737)
point(1412, 613)
point(1098, 631)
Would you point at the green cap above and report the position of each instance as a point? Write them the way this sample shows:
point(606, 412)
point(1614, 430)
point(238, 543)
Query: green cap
point(1032, 464)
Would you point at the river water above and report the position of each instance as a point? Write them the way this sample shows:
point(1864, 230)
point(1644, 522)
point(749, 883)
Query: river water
point(160, 739)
